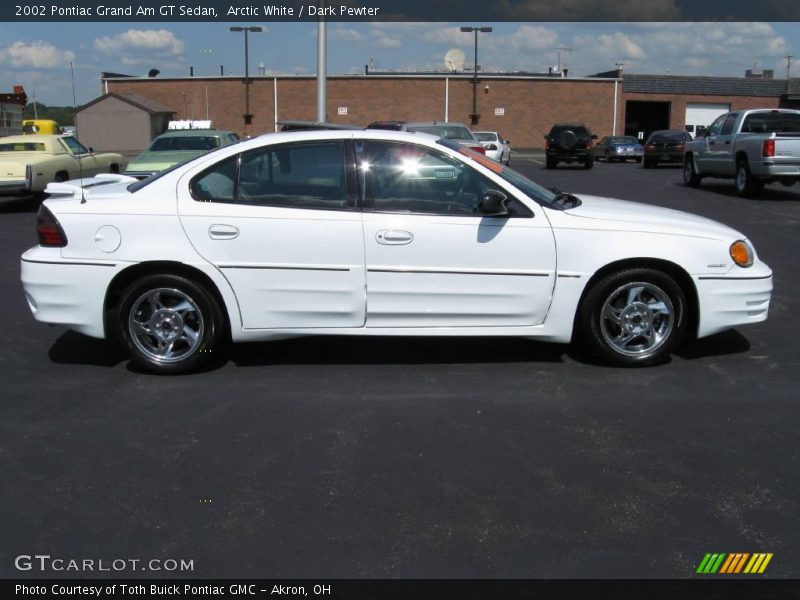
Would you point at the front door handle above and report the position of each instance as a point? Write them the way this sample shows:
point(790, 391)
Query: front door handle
point(394, 237)
point(223, 232)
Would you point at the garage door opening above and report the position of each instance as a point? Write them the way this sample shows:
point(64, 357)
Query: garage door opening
point(643, 118)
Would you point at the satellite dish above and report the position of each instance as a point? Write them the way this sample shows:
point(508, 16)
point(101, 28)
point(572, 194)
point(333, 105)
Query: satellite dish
point(454, 59)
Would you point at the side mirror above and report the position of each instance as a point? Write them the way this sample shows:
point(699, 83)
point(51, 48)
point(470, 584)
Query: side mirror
point(494, 204)
point(508, 142)
point(91, 149)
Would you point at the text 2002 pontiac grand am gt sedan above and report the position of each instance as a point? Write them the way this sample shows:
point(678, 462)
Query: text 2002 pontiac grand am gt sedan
point(377, 233)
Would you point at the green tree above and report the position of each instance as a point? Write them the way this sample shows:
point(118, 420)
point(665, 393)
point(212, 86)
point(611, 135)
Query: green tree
point(63, 115)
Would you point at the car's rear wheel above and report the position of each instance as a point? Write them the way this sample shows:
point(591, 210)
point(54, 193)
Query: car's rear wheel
point(169, 324)
point(588, 163)
point(746, 184)
point(634, 317)
point(690, 175)
point(550, 163)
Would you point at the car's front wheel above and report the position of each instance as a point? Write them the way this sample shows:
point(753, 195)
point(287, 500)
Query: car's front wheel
point(634, 317)
point(169, 324)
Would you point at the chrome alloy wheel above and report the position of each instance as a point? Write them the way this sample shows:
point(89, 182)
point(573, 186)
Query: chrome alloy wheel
point(688, 170)
point(741, 178)
point(166, 325)
point(637, 319)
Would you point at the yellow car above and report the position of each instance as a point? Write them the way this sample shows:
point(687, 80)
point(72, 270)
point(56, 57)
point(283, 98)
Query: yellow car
point(29, 162)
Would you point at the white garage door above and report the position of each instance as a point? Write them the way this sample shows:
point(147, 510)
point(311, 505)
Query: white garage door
point(702, 115)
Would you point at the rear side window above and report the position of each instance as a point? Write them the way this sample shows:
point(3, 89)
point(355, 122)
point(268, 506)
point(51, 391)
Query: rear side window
point(307, 175)
point(769, 122)
point(727, 125)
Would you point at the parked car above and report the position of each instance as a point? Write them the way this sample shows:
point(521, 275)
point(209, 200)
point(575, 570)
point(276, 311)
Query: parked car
point(373, 232)
point(665, 146)
point(754, 147)
point(497, 147)
point(619, 147)
point(29, 162)
point(569, 143)
point(177, 146)
point(294, 125)
point(457, 132)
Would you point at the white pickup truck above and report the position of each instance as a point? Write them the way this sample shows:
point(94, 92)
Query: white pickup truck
point(754, 147)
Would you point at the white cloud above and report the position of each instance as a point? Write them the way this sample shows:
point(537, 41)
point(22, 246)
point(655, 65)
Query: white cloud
point(142, 46)
point(34, 55)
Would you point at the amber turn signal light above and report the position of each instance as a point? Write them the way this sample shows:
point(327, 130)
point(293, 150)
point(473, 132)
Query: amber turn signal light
point(741, 253)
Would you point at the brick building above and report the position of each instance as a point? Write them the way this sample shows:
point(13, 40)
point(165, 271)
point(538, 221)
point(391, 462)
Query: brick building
point(11, 108)
point(521, 107)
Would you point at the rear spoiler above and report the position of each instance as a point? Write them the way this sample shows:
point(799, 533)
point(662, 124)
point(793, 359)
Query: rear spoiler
point(75, 187)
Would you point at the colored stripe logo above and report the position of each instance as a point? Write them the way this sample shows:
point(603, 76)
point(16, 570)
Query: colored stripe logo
point(735, 563)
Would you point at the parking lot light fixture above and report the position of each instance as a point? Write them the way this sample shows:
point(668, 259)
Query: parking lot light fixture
point(248, 117)
point(474, 117)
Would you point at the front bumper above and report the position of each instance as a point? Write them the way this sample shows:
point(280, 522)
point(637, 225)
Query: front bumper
point(733, 300)
point(67, 292)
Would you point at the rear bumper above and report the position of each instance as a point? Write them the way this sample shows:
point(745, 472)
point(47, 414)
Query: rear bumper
point(14, 187)
point(66, 292)
point(770, 169)
point(727, 302)
point(663, 157)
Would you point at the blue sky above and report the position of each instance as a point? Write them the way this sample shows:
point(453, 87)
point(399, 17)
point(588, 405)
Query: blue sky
point(37, 55)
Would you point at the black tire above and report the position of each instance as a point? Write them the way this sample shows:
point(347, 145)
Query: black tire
point(598, 332)
point(746, 185)
point(550, 163)
point(204, 317)
point(690, 176)
point(588, 163)
point(638, 159)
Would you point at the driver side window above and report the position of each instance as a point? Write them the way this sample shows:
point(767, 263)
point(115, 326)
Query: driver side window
point(716, 126)
point(405, 178)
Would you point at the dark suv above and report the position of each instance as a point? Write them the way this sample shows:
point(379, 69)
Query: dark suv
point(569, 142)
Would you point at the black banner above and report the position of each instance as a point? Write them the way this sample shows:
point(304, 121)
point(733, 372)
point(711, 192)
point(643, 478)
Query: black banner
point(337, 589)
point(400, 10)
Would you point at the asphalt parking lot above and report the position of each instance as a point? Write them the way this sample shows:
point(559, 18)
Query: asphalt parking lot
point(330, 457)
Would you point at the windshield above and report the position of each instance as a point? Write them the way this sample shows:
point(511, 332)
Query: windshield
point(451, 132)
point(195, 142)
point(484, 136)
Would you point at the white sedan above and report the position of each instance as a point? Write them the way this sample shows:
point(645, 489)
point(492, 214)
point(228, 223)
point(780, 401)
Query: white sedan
point(376, 233)
point(497, 148)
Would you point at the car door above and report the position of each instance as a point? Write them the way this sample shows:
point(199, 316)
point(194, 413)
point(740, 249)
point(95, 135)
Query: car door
point(708, 156)
point(282, 224)
point(724, 153)
point(433, 260)
point(86, 164)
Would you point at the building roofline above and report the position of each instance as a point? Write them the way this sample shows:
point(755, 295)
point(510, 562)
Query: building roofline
point(464, 76)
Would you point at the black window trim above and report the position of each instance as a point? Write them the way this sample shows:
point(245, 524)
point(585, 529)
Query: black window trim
point(350, 183)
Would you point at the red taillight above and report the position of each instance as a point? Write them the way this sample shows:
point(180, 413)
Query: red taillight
point(480, 149)
point(547, 144)
point(768, 148)
point(679, 147)
point(589, 143)
point(49, 229)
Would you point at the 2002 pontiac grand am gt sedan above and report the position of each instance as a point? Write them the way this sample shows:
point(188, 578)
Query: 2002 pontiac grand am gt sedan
point(376, 233)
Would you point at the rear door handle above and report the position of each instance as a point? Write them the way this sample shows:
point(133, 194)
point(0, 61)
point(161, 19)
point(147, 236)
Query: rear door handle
point(223, 232)
point(394, 237)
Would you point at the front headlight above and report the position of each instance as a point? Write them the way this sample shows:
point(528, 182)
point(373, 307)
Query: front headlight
point(741, 253)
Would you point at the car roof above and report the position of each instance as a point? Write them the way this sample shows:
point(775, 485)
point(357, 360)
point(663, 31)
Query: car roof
point(442, 123)
point(193, 132)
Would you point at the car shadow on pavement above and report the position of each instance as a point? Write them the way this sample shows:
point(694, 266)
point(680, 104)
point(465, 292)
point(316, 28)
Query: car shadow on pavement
point(727, 342)
point(73, 348)
point(394, 350)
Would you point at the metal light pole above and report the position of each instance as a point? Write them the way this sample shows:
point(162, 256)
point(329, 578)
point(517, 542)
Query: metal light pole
point(475, 116)
point(322, 69)
point(248, 117)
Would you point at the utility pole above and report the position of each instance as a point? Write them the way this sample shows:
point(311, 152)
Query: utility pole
point(247, 116)
point(475, 116)
point(788, 58)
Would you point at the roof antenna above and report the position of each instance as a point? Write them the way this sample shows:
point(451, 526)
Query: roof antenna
point(75, 119)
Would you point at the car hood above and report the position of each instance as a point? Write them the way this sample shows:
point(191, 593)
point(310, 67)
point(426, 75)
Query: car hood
point(158, 161)
point(650, 218)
